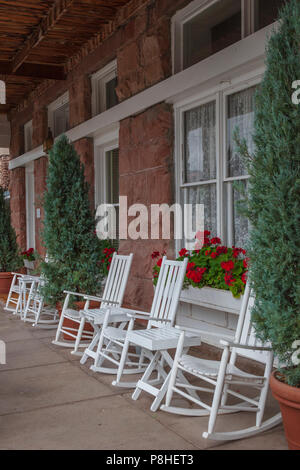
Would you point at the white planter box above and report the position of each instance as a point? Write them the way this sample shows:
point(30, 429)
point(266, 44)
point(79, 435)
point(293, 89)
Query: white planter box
point(215, 299)
point(214, 311)
point(28, 264)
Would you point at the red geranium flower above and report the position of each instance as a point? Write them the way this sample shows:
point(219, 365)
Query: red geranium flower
point(155, 254)
point(196, 275)
point(229, 280)
point(213, 255)
point(159, 262)
point(215, 241)
point(221, 250)
point(190, 266)
point(229, 266)
point(244, 278)
point(246, 263)
point(183, 252)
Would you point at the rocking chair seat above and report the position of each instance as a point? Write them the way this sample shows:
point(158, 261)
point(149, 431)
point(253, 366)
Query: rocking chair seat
point(97, 315)
point(72, 314)
point(116, 334)
point(210, 368)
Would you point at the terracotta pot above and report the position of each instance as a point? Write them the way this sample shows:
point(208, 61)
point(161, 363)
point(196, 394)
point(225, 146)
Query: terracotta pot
point(71, 324)
point(5, 282)
point(289, 400)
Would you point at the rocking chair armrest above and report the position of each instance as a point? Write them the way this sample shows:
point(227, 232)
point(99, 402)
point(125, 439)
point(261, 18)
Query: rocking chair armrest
point(139, 315)
point(74, 293)
point(100, 299)
point(146, 316)
point(231, 344)
point(91, 297)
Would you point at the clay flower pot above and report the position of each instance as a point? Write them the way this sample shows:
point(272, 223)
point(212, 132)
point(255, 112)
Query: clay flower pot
point(289, 400)
point(71, 324)
point(5, 282)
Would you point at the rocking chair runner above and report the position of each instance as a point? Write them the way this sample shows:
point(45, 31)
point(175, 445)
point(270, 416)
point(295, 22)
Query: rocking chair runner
point(223, 375)
point(112, 299)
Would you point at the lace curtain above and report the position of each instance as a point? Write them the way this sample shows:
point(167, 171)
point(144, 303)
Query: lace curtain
point(200, 161)
point(240, 114)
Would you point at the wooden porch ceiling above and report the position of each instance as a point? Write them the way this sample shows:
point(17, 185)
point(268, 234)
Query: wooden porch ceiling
point(37, 37)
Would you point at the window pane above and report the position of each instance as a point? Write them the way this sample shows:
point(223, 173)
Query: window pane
point(112, 177)
point(237, 225)
point(206, 195)
point(112, 191)
point(240, 114)
point(61, 120)
point(111, 96)
point(211, 31)
point(266, 12)
point(200, 144)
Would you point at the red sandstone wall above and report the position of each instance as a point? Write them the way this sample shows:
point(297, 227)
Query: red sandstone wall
point(146, 163)
point(18, 204)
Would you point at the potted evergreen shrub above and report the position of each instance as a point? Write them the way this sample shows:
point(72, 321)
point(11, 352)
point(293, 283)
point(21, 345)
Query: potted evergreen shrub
point(73, 248)
point(273, 207)
point(10, 259)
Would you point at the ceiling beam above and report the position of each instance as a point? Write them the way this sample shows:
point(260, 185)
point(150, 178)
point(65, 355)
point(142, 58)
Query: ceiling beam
point(59, 8)
point(29, 70)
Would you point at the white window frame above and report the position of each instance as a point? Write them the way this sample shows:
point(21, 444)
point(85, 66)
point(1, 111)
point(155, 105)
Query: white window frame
point(30, 205)
point(219, 94)
point(98, 82)
point(28, 128)
point(54, 106)
point(194, 9)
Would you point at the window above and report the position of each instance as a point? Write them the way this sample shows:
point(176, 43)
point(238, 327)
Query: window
point(28, 136)
point(58, 115)
point(2, 92)
point(210, 166)
point(107, 186)
point(266, 12)
point(199, 161)
point(104, 84)
point(205, 27)
point(205, 34)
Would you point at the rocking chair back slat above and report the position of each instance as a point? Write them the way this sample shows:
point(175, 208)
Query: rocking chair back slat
point(167, 292)
point(117, 278)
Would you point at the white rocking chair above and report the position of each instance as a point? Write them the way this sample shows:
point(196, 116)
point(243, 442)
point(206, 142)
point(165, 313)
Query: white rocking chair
point(153, 342)
point(36, 312)
point(112, 298)
point(19, 290)
point(223, 375)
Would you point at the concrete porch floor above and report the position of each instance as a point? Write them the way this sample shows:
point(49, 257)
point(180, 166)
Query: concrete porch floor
point(49, 401)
